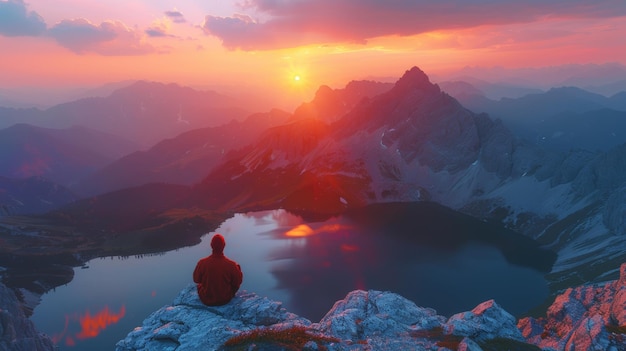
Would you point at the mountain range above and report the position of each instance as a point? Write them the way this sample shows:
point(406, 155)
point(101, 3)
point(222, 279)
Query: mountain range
point(560, 119)
point(143, 112)
point(375, 142)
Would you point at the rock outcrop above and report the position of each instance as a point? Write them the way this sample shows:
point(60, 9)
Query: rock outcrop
point(586, 318)
point(364, 320)
point(591, 317)
point(17, 332)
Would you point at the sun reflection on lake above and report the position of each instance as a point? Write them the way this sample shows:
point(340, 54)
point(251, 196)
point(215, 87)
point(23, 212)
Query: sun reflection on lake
point(304, 230)
point(300, 231)
point(90, 325)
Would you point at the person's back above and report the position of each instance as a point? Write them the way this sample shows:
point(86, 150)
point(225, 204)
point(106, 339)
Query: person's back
point(217, 277)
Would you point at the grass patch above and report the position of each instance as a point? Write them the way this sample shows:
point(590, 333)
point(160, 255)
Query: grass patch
point(499, 344)
point(441, 339)
point(616, 329)
point(452, 342)
point(293, 338)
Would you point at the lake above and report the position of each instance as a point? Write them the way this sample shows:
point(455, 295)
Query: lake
point(429, 254)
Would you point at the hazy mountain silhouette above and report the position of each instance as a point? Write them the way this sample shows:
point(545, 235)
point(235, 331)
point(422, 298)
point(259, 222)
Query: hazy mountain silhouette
point(32, 196)
point(331, 104)
point(579, 75)
point(144, 112)
point(561, 118)
point(63, 156)
point(184, 159)
point(190, 156)
point(493, 91)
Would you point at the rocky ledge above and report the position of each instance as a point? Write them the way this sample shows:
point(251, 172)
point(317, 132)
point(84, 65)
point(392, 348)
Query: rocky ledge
point(590, 317)
point(17, 332)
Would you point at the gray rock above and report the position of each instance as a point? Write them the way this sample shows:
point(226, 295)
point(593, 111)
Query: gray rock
point(485, 322)
point(363, 320)
point(17, 332)
point(614, 215)
point(188, 324)
point(578, 318)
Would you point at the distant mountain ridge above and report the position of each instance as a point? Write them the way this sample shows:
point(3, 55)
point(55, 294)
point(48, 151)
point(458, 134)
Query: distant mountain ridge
point(560, 119)
point(608, 77)
point(144, 112)
point(61, 155)
point(190, 156)
point(32, 195)
point(184, 159)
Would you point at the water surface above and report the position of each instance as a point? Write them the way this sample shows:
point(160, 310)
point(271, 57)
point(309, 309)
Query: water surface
point(428, 254)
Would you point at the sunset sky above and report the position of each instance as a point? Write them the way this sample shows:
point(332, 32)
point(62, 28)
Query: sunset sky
point(86, 43)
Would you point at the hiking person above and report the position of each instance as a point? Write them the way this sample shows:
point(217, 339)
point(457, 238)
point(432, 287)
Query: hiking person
point(216, 276)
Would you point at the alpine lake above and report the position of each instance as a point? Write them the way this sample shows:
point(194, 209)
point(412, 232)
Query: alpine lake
point(431, 255)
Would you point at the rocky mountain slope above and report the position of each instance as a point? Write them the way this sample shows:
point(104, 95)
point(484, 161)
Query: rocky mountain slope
point(584, 318)
point(184, 159)
point(416, 143)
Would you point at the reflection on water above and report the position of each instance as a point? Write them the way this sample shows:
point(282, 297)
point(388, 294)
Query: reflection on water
point(89, 326)
point(429, 255)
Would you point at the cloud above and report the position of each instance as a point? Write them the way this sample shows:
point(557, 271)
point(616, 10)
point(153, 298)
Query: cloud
point(157, 32)
point(176, 16)
point(159, 28)
point(110, 38)
point(15, 20)
point(290, 23)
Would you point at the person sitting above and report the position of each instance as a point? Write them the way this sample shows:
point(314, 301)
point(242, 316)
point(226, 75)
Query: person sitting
point(216, 276)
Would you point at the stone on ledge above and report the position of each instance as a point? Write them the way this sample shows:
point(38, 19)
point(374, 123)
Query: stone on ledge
point(586, 318)
point(364, 320)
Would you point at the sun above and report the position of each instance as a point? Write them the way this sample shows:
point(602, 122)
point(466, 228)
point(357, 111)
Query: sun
point(296, 78)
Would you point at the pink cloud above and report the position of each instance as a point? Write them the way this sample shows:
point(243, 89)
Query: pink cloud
point(110, 38)
point(176, 16)
point(291, 23)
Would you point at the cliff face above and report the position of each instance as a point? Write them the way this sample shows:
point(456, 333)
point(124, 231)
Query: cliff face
point(591, 317)
point(364, 320)
point(17, 332)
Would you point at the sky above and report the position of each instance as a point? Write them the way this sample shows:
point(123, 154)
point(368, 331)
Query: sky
point(291, 47)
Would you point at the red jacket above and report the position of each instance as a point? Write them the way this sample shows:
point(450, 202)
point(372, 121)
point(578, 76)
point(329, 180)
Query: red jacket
point(218, 279)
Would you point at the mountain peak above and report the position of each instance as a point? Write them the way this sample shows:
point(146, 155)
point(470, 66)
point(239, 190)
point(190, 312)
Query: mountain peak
point(414, 79)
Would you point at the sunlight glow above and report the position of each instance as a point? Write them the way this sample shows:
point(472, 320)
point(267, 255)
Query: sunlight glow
point(304, 230)
point(300, 231)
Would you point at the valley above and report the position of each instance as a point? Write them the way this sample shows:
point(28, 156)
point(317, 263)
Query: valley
point(366, 144)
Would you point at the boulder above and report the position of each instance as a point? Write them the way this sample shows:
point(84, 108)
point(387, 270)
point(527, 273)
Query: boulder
point(486, 321)
point(363, 320)
point(585, 318)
